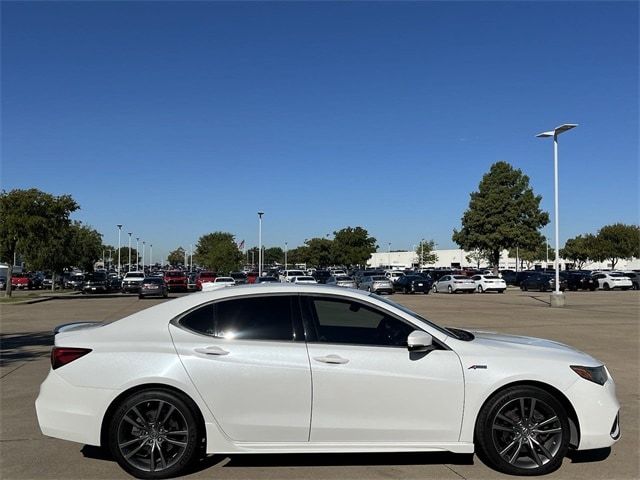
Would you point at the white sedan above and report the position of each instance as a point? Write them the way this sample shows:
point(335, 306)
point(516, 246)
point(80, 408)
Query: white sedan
point(241, 369)
point(454, 284)
point(303, 279)
point(488, 283)
point(611, 280)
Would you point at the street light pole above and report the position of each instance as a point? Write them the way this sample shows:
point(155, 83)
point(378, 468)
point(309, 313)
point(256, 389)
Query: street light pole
point(557, 299)
point(143, 245)
point(119, 230)
point(150, 255)
point(260, 214)
point(129, 252)
point(422, 253)
point(389, 255)
point(285, 255)
point(137, 252)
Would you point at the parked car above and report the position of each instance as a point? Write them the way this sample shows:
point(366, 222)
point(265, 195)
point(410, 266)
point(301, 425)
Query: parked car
point(115, 282)
point(376, 284)
point(3, 283)
point(131, 282)
point(522, 275)
point(635, 279)
point(21, 281)
point(322, 276)
point(95, 282)
point(153, 287)
point(286, 275)
point(239, 277)
point(413, 284)
point(338, 370)
point(341, 281)
point(394, 276)
point(579, 280)
point(205, 277)
point(303, 279)
point(509, 276)
point(454, 284)
point(47, 282)
point(37, 279)
point(192, 281)
point(74, 281)
point(251, 277)
point(176, 280)
point(267, 279)
point(542, 282)
point(489, 283)
point(612, 280)
point(224, 281)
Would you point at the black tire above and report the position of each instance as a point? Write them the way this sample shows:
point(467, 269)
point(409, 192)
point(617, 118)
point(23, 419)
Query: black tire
point(501, 291)
point(435, 289)
point(449, 289)
point(607, 287)
point(176, 450)
point(625, 288)
point(140, 297)
point(480, 289)
point(165, 295)
point(510, 436)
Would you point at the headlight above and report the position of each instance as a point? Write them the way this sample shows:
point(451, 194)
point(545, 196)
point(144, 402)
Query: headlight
point(593, 374)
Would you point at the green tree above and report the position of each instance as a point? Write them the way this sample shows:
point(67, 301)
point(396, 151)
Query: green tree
point(425, 252)
point(298, 255)
point(578, 250)
point(176, 257)
point(273, 255)
point(124, 256)
point(85, 246)
point(502, 214)
point(36, 225)
point(319, 252)
point(218, 251)
point(478, 257)
point(618, 241)
point(352, 246)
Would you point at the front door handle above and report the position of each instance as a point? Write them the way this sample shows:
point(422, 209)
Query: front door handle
point(334, 359)
point(212, 350)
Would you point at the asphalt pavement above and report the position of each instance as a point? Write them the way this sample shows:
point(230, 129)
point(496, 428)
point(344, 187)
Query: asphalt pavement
point(604, 324)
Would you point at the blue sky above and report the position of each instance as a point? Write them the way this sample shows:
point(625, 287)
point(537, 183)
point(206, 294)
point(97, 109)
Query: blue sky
point(178, 119)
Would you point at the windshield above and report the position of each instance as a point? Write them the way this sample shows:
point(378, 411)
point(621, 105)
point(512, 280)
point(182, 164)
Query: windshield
point(378, 279)
point(175, 274)
point(459, 277)
point(491, 277)
point(135, 275)
point(448, 332)
point(616, 275)
point(306, 279)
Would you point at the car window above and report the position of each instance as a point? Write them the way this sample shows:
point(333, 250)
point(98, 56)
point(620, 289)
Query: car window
point(254, 318)
point(476, 277)
point(346, 321)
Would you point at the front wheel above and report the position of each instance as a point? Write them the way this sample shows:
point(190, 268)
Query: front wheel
point(435, 289)
point(480, 290)
point(607, 287)
point(154, 434)
point(523, 431)
point(449, 289)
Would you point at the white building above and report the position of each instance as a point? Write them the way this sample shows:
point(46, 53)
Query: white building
point(457, 258)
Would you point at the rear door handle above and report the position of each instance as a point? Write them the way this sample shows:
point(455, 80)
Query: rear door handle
point(334, 359)
point(212, 350)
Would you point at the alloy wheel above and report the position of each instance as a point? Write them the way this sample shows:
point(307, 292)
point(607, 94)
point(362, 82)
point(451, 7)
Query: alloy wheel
point(527, 433)
point(153, 435)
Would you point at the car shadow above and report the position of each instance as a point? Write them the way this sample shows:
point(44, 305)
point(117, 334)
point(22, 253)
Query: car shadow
point(19, 347)
point(588, 456)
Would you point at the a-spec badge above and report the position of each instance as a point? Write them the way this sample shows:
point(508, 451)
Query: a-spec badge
point(476, 367)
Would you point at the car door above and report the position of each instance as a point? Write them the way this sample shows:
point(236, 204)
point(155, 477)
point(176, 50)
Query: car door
point(368, 387)
point(247, 358)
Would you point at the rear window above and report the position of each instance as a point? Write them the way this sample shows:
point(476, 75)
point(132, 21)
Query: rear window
point(307, 279)
point(378, 278)
point(257, 318)
point(135, 275)
point(616, 275)
point(491, 277)
point(174, 274)
point(459, 277)
point(295, 273)
point(154, 280)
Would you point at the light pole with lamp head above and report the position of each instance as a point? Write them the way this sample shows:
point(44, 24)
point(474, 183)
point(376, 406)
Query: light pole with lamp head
point(260, 214)
point(557, 298)
point(389, 255)
point(119, 230)
point(285, 255)
point(150, 255)
point(144, 242)
point(137, 252)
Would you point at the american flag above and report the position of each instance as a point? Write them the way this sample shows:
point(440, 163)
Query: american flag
point(241, 245)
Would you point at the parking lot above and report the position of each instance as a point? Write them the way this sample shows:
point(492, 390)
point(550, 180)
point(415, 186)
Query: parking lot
point(604, 324)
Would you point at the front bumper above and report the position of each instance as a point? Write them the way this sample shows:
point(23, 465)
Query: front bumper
point(131, 287)
point(597, 408)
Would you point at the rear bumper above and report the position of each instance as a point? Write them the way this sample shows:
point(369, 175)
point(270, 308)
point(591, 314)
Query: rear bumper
point(71, 413)
point(133, 288)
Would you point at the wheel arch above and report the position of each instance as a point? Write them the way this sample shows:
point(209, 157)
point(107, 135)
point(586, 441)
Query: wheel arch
point(104, 427)
point(574, 424)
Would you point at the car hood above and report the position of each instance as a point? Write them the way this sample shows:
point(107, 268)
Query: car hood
point(507, 344)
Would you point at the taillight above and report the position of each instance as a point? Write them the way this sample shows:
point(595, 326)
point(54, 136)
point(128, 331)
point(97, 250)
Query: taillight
point(60, 356)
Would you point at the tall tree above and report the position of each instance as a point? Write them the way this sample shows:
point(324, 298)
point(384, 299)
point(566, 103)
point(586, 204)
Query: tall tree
point(124, 256)
point(352, 246)
point(578, 250)
point(618, 241)
point(502, 214)
point(218, 251)
point(425, 252)
point(477, 257)
point(176, 257)
point(35, 224)
point(319, 252)
point(273, 255)
point(85, 246)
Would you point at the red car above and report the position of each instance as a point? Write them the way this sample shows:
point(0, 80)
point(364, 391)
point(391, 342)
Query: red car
point(251, 277)
point(21, 280)
point(176, 280)
point(205, 277)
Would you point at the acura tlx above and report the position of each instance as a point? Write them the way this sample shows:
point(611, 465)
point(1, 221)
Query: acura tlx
point(283, 368)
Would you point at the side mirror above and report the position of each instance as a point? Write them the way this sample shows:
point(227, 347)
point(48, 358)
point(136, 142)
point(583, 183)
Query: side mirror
point(419, 341)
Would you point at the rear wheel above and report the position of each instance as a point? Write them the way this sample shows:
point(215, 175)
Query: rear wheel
point(449, 289)
point(523, 431)
point(154, 434)
point(480, 289)
point(607, 287)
